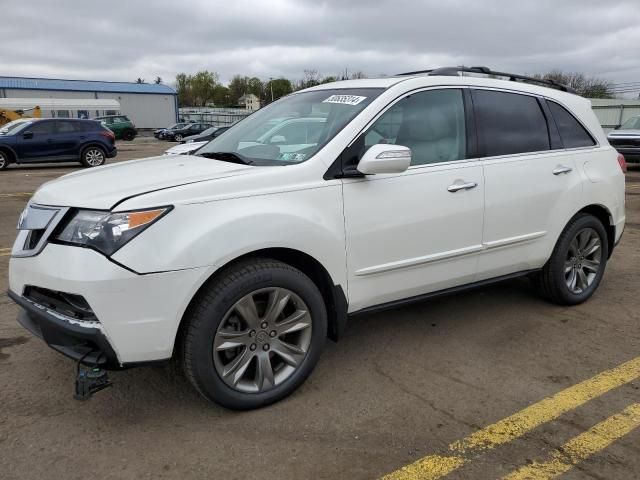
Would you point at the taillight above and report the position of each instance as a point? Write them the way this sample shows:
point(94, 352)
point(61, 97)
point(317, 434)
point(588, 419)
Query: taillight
point(109, 134)
point(622, 162)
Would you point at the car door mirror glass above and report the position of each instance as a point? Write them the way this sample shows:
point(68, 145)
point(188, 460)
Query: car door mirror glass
point(385, 158)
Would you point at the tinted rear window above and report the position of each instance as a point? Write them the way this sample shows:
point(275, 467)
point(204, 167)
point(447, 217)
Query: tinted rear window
point(509, 123)
point(572, 133)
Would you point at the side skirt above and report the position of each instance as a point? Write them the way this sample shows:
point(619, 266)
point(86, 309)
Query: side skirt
point(441, 293)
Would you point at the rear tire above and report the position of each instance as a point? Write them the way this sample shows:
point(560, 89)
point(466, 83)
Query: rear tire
point(577, 264)
point(178, 137)
point(254, 334)
point(128, 135)
point(4, 160)
point(93, 157)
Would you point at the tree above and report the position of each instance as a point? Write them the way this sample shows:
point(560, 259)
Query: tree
point(280, 88)
point(589, 87)
point(140, 80)
point(158, 80)
point(203, 85)
point(183, 88)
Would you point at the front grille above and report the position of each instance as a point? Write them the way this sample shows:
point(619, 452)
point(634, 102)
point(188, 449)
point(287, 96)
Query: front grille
point(67, 304)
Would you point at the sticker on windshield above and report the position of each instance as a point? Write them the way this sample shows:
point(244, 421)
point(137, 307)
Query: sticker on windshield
point(345, 99)
point(292, 156)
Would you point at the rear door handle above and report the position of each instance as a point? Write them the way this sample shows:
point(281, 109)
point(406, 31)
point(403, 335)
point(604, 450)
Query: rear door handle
point(462, 186)
point(562, 169)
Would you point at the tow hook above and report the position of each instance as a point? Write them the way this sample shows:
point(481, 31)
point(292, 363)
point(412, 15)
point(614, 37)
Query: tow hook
point(90, 380)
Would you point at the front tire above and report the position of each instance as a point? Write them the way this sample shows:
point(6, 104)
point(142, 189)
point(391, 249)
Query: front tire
point(577, 264)
point(93, 157)
point(254, 334)
point(178, 137)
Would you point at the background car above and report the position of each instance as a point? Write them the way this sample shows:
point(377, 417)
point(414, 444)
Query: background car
point(120, 125)
point(205, 136)
point(185, 148)
point(626, 139)
point(190, 129)
point(56, 140)
point(159, 133)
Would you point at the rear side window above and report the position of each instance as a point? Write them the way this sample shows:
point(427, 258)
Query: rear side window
point(67, 127)
point(572, 133)
point(509, 123)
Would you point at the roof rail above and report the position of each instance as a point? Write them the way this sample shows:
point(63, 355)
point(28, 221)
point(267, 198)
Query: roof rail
point(455, 71)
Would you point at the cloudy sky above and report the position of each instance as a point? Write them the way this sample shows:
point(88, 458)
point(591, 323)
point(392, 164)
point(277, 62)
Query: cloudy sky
point(117, 40)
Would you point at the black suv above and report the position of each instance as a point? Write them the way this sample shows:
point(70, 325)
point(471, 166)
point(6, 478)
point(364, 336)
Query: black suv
point(188, 130)
point(56, 140)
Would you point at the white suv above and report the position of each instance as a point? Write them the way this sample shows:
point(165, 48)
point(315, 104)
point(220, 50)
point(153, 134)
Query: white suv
point(240, 261)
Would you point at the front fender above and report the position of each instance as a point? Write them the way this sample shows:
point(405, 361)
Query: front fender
point(213, 233)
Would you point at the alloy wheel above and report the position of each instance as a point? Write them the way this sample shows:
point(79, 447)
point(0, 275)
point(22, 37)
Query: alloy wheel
point(583, 260)
point(94, 157)
point(3, 160)
point(262, 340)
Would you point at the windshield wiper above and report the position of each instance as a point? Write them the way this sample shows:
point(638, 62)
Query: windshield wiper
point(226, 157)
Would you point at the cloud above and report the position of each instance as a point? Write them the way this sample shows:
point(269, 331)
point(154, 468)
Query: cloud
point(124, 41)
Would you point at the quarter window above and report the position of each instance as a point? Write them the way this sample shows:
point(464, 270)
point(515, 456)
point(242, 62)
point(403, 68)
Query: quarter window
point(430, 123)
point(509, 123)
point(573, 134)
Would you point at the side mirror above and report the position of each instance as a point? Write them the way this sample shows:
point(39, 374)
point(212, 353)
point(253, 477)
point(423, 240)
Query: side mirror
point(27, 135)
point(278, 139)
point(385, 158)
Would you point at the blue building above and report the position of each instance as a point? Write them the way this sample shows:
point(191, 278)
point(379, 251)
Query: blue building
point(148, 105)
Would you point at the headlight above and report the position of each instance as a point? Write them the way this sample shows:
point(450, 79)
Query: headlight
point(107, 231)
point(189, 141)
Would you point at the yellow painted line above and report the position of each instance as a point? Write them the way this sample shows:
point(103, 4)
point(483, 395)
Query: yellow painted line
point(516, 425)
point(18, 194)
point(581, 447)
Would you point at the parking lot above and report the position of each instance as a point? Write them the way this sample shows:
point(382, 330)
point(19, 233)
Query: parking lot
point(491, 383)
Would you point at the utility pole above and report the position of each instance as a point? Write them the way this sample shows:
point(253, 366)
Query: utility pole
point(271, 85)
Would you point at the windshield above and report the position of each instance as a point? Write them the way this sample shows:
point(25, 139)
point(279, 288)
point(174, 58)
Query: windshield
point(632, 124)
point(14, 127)
point(292, 129)
point(208, 131)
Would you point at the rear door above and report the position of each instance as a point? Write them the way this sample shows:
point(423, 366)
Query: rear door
point(532, 187)
point(421, 230)
point(37, 141)
point(68, 137)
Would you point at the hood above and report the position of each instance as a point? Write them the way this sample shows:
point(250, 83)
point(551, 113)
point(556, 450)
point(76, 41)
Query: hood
point(185, 148)
point(103, 187)
point(624, 133)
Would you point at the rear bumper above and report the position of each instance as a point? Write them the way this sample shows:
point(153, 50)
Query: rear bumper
point(72, 340)
point(112, 153)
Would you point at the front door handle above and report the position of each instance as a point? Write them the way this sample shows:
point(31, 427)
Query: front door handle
point(462, 186)
point(561, 169)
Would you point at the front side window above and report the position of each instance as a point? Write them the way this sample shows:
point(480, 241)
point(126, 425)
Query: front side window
point(509, 123)
point(42, 128)
point(573, 134)
point(292, 129)
point(430, 123)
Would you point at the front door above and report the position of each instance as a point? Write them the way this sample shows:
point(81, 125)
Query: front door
point(36, 142)
point(421, 230)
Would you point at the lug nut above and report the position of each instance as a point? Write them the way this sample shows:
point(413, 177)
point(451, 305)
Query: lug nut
point(252, 333)
point(252, 347)
point(264, 325)
point(265, 347)
point(272, 333)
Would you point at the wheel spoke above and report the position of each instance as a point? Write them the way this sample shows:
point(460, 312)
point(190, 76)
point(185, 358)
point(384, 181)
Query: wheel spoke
point(238, 366)
point(592, 247)
point(567, 268)
point(264, 372)
point(573, 247)
point(592, 265)
point(299, 320)
point(246, 307)
point(276, 304)
point(571, 281)
point(583, 238)
point(290, 353)
point(582, 280)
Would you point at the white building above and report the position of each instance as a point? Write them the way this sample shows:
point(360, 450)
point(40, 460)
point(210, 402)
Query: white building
point(249, 101)
point(147, 105)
